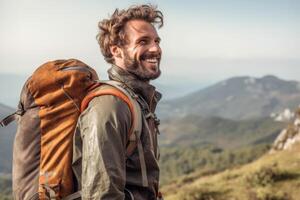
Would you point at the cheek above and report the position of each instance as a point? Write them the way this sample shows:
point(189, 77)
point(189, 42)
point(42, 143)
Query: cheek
point(134, 54)
point(137, 56)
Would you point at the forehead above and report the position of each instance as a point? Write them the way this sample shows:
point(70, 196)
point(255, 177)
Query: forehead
point(135, 29)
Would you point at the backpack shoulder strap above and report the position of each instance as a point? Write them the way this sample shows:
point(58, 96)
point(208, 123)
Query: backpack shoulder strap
point(130, 98)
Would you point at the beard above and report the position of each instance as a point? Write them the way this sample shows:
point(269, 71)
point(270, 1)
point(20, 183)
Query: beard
point(135, 66)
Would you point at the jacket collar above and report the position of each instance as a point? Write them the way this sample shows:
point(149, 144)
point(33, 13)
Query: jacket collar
point(140, 87)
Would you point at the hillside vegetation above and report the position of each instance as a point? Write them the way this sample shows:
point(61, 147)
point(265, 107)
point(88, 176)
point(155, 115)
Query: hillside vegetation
point(225, 133)
point(178, 161)
point(272, 177)
point(212, 144)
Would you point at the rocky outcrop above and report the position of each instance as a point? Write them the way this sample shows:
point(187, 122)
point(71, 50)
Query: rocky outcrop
point(289, 136)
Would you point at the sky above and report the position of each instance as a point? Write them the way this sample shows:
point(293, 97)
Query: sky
point(202, 41)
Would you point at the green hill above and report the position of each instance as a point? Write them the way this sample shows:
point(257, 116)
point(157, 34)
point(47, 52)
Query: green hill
point(272, 177)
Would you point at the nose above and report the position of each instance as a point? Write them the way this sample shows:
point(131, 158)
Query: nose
point(155, 48)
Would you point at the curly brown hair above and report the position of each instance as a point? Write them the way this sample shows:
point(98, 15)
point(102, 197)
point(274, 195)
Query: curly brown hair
point(111, 31)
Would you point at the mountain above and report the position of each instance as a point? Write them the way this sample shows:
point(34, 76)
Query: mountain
point(224, 133)
point(6, 140)
point(237, 98)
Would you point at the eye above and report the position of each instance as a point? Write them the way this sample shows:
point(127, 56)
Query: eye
point(143, 42)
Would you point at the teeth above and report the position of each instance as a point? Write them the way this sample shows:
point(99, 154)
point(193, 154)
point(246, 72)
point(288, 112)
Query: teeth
point(153, 60)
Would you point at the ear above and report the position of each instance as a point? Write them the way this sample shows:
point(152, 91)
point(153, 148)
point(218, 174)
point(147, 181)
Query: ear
point(116, 51)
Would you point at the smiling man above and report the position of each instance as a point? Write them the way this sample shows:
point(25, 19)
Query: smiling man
point(141, 55)
point(116, 165)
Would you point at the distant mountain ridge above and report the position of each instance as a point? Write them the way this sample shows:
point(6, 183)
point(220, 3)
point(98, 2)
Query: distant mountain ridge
point(237, 98)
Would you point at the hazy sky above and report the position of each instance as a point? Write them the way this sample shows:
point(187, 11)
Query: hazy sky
point(202, 41)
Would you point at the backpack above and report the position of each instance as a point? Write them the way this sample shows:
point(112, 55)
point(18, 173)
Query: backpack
point(50, 104)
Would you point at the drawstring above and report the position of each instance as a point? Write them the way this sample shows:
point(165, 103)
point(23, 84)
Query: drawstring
point(69, 97)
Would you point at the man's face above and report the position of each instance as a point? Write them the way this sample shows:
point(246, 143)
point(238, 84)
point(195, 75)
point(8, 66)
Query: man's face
point(142, 53)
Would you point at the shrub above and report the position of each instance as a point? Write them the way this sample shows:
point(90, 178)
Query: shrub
point(196, 193)
point(263, 177)
point(268, 175)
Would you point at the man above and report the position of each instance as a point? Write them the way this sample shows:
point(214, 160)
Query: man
point(128, 40)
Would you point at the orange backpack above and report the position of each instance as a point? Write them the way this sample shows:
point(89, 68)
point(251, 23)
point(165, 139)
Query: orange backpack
point(50, 104)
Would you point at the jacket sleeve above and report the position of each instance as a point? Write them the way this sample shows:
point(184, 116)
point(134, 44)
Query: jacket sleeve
point(104, 126)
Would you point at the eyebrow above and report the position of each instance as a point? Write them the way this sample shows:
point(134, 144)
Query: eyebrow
point(147, 37)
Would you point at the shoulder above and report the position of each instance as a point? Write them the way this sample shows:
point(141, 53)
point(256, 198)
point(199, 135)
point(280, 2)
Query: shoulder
point(108, 101)
point(106, 107)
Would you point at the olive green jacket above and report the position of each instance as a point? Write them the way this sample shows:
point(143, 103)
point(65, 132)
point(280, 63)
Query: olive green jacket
point(100, 141)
